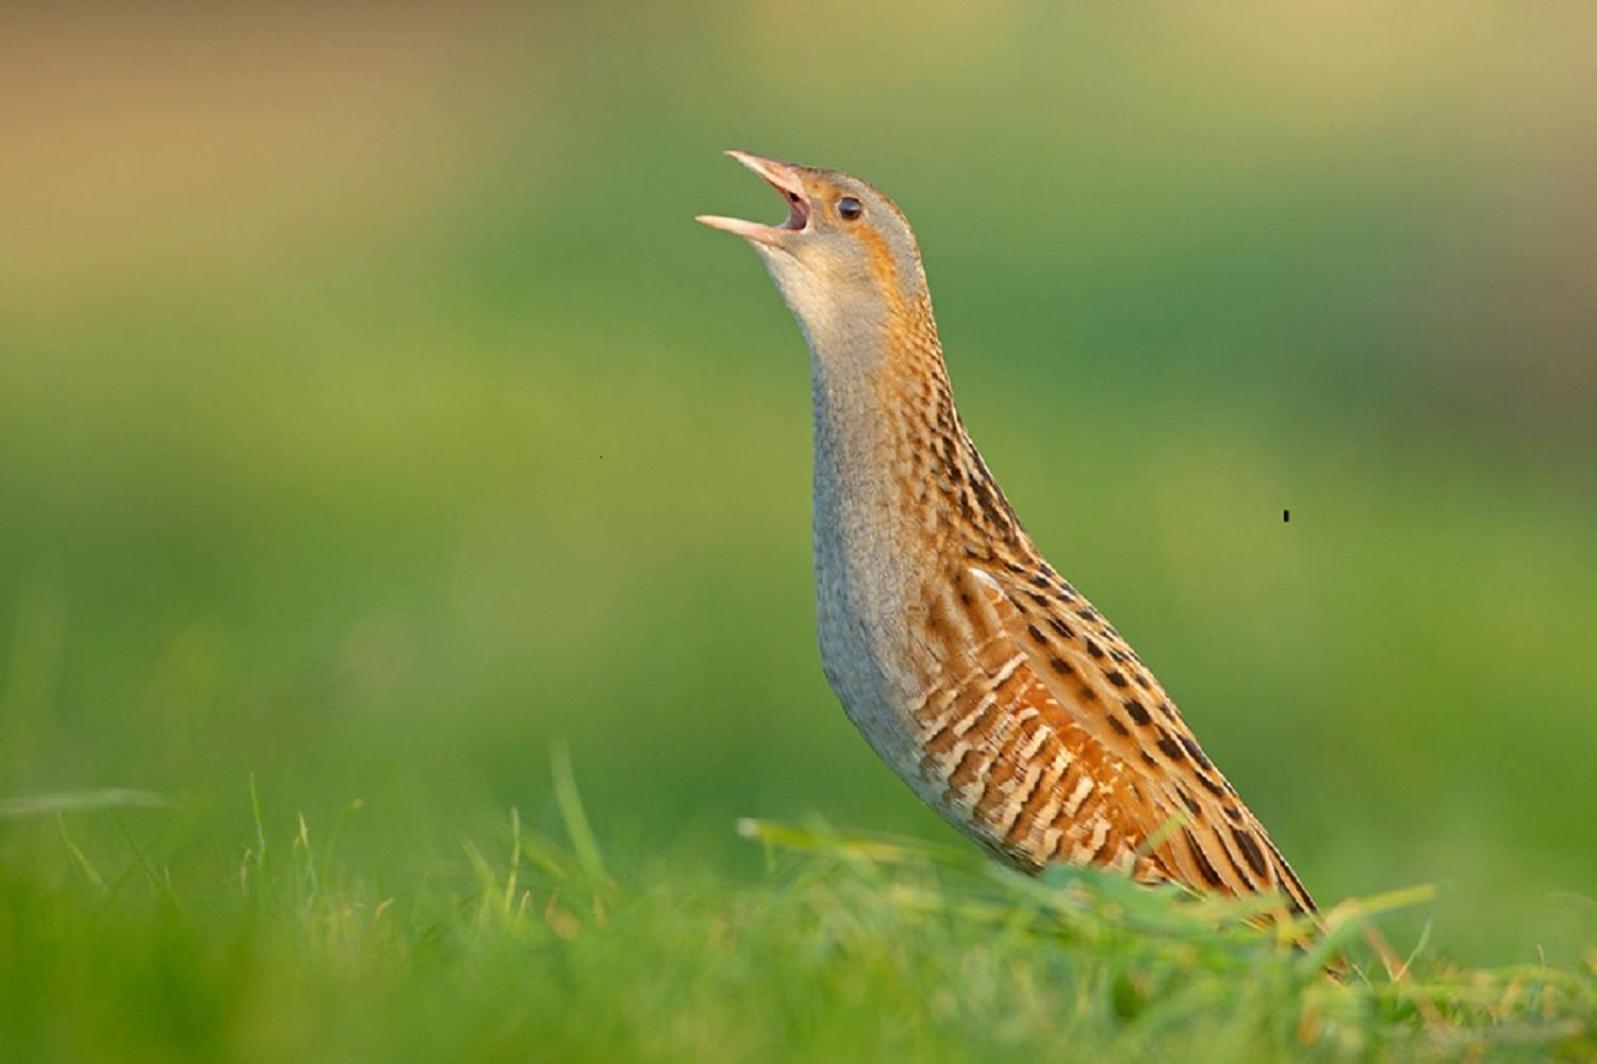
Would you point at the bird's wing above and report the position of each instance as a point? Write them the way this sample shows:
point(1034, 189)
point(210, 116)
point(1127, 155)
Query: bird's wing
point(1131, 737)
point(1011, 765)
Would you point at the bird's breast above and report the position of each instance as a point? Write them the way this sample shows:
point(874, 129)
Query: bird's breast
point(866, 576)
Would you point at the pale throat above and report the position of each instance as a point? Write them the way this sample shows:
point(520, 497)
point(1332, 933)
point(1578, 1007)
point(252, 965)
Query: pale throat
point(857, 373)
point(881, 399)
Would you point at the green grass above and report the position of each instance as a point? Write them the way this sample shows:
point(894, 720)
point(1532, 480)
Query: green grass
point(841, 947)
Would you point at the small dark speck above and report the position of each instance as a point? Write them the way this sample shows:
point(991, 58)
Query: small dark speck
point(1286, 515)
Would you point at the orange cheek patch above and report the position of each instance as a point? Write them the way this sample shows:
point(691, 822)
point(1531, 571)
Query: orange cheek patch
point(884, 271)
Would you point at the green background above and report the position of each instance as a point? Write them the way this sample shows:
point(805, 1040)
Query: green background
point(372, 413)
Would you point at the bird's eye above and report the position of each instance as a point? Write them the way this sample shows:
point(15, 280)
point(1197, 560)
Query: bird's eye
point(849, 208)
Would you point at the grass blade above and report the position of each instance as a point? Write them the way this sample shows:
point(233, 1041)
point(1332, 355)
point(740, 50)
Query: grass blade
point(583, 841)
point(30, 805)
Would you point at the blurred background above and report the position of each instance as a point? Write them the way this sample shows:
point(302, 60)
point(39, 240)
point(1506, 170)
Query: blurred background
point(372, 412)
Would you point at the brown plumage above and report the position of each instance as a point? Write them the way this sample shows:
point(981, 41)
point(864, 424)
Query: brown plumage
point(1003, 697)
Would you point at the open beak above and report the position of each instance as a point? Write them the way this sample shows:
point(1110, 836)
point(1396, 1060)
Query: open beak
point(785, 178)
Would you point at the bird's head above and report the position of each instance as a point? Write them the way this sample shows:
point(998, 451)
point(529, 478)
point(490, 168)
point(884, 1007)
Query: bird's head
point(844, 258)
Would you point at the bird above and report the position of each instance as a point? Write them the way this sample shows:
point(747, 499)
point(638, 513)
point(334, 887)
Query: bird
point(992, 686)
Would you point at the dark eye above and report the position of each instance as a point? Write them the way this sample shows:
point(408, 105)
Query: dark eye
point(849, 208)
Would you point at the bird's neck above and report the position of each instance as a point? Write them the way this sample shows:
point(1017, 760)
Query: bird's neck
point(900, 490)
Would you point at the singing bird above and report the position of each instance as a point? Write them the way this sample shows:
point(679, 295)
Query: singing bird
point(1003, 697)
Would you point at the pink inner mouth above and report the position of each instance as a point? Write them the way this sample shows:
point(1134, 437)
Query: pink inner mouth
point(798, 208)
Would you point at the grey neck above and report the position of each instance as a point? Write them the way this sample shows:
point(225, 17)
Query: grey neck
point(866, 560)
